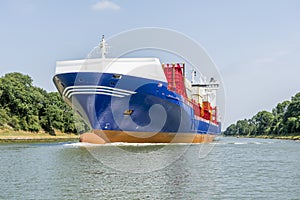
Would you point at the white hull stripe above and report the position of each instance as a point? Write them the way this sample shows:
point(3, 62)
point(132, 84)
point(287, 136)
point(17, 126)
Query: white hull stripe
point(85, 89)
point(91, 91)
point(103, 93)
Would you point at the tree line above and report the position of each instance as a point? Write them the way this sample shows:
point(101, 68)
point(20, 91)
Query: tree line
point(282, 121)
point(30, 108)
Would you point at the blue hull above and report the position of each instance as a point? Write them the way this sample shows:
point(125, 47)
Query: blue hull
point(127, 103)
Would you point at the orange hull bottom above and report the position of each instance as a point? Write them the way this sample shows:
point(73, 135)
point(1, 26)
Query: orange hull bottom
point(102, 137)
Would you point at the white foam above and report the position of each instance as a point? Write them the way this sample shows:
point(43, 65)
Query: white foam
point(84, 144)
point(242, 143)
point(80, 144)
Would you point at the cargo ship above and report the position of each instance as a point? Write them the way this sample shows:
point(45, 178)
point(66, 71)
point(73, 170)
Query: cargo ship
point(138, 100)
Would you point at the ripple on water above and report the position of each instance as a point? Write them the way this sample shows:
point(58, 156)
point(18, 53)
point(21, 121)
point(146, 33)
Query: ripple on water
point(233, 168)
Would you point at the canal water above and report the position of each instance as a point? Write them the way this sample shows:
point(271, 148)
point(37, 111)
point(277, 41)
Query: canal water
point(229, 168)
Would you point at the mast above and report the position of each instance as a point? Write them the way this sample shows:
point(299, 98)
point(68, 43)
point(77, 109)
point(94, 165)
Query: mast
point(194, 74)
point(103, 47)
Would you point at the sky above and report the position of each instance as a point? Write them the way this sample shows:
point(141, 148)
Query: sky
point(255, 44)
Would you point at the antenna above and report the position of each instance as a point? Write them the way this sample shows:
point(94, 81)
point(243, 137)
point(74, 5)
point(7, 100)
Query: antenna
point(103, 47)
point(194, 74)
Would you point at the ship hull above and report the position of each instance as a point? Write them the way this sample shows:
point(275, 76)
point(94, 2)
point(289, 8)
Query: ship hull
point(132, 109)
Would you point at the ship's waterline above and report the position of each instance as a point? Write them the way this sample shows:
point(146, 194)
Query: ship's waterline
point(104, 136)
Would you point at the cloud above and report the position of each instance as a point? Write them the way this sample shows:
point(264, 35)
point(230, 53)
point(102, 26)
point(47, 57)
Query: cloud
point(105, 5)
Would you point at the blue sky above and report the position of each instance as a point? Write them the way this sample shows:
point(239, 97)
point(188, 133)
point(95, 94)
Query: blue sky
point(256, 44)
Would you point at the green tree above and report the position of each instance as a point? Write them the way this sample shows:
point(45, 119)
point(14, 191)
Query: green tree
point(293, 110)
point(278, 126)
point(231, 130)
point(291, 125)
point(262, 121)
point(4, 118)
point(26, 107)
point(281, 108)
point(242, 127)
point(284, 119)
point(291, 116)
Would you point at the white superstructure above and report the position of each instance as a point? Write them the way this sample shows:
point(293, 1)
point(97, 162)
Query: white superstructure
point(149, 68)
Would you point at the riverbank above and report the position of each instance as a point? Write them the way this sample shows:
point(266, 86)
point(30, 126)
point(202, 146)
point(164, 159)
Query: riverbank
point(23, 136)
point(290, 137)
point(293, 137)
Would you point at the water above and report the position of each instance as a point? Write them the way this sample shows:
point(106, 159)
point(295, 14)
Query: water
point(235, 168)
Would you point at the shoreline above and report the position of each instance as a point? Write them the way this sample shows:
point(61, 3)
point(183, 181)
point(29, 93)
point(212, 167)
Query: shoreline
point(291, 137)
point(9, 136)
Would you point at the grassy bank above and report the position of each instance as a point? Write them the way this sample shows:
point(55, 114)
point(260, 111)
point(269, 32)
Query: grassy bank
point(283, 137)
point(291, 137)
point(23, 136)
